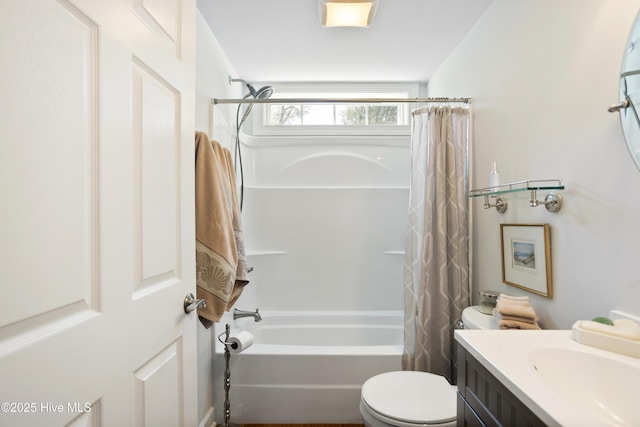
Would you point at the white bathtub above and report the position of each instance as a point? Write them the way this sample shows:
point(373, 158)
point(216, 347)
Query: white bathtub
point(306, 367)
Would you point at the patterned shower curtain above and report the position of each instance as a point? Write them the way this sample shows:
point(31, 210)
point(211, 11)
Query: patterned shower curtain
point(436, 271)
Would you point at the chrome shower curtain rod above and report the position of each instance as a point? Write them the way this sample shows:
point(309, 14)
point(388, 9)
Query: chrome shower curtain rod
point(333, 100)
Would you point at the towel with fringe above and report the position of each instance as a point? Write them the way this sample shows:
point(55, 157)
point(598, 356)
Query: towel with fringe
point(515, 313)
point(221, 266)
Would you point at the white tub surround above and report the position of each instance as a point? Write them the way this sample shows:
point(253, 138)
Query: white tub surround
point(561, 381)
point(307, 367)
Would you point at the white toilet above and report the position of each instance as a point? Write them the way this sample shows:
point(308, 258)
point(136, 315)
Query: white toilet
point(415, 399)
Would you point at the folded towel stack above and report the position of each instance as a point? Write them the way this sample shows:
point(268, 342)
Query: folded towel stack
point(515, 313)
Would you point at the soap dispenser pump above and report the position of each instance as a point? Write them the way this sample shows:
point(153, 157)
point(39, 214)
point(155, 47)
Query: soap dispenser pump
point(494, 177)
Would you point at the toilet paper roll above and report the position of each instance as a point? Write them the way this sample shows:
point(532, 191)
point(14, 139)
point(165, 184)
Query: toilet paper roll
point(239, 342)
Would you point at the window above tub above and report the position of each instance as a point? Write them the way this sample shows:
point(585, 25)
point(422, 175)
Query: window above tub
point(308, 118)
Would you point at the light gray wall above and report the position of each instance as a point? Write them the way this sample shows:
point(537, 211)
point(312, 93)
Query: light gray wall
point(542, 74)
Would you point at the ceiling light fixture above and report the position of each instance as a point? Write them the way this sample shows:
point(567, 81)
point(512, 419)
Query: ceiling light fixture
point(347, 13)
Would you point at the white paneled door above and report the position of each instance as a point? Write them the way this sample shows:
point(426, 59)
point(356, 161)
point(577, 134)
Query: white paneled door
point(96, 213)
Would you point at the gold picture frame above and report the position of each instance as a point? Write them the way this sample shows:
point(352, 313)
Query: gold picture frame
point(526, 257)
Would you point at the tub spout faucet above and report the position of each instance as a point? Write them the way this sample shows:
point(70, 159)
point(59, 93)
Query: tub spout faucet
point(244, 313)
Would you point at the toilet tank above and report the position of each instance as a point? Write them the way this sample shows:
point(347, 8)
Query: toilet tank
point(473, 318)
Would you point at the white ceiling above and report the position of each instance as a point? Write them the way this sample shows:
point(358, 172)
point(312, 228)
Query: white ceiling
point(283, 41)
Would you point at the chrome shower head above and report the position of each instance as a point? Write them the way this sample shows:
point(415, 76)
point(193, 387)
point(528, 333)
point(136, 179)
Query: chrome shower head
point(262, 93)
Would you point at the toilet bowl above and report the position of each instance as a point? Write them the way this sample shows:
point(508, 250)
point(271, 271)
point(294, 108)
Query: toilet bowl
point(412, 398)
point(408, 399)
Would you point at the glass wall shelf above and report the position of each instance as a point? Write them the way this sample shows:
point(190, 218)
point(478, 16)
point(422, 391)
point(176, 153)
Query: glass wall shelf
point(552, 202)
point(514, 187)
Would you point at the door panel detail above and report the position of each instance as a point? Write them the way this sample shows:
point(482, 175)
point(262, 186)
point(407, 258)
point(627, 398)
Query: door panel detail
point(157, 385)
point(156, 145)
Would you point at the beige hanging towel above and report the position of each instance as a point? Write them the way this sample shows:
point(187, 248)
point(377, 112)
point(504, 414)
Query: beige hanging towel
point(221, 266)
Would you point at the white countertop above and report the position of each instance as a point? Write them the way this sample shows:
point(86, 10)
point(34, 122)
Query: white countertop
point(505, 353)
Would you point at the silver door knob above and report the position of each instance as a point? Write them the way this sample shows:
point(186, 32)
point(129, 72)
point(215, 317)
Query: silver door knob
point(192, 304)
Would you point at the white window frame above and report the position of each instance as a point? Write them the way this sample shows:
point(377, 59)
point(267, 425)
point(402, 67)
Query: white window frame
point(321, 90)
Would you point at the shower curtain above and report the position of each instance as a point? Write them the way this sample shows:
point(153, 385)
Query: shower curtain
point(436, 270)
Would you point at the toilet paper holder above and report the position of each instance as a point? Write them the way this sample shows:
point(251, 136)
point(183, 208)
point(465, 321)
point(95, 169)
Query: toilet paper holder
point(227, 373)
point(233, 345)
point(226, 341)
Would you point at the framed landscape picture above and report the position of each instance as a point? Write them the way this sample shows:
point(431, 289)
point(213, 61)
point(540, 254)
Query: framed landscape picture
point(526, 257)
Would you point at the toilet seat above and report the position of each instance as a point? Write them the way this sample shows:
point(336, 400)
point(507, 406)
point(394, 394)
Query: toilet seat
point(410, 398)
point(372, 415)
